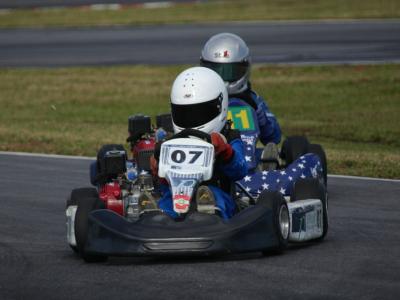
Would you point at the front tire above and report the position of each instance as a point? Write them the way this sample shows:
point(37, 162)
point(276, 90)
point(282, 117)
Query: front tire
point(280, 222)
point(76, 194)
point(85, 206)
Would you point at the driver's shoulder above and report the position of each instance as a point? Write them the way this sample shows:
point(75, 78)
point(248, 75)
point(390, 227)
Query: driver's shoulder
point(256, 97)
point(249, 96)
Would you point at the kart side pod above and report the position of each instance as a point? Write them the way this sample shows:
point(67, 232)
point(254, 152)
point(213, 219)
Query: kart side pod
point(306, 219)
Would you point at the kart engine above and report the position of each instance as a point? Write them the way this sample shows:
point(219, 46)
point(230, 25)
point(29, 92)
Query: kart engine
point(128, 188)
point(129, 198)
point(142, 140)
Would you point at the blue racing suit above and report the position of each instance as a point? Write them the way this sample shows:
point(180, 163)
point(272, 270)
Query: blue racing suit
point(270, 130)
point(224, 172)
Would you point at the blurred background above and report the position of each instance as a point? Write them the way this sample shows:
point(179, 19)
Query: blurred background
point(72, 71)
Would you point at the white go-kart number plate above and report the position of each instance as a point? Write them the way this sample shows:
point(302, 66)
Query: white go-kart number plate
point(186, 156)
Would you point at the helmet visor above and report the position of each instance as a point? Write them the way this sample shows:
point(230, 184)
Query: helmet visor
point(228, 71)
point(195, 115)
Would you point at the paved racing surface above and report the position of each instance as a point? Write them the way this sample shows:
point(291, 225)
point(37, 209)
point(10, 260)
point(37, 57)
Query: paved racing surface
point(358, 259)
point(270, 42)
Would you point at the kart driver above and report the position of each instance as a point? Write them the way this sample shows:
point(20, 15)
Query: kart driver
point(199, 100)
point(228, 55)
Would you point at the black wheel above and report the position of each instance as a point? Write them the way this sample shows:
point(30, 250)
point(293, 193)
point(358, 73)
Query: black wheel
point(311, 188)
point(86, 192)
point(80, 193)
point(294, 147)
point(318, 150)
point(281, 219)
point(85, 206)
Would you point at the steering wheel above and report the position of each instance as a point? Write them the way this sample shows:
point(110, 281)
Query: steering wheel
point(184, 134)
point(192, 132)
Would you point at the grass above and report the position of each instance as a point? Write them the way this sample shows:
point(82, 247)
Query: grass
point(204, 11)
point(353, 111)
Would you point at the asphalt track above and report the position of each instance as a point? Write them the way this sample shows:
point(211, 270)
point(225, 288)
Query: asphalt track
point(270, 42)
point(359, 259)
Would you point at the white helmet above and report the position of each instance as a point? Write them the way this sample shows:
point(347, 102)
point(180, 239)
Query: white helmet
point(228, 55)
point(199, 100)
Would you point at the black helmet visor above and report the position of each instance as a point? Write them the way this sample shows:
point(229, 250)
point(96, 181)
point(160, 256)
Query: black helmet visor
point(228, 71)
point(195, 115)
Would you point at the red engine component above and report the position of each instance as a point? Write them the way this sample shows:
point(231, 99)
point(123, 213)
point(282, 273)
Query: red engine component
point(142, 150)
point(143, 145)
point(110, 193)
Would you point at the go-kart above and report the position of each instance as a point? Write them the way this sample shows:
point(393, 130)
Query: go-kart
point(119, 218)
point(243, 118)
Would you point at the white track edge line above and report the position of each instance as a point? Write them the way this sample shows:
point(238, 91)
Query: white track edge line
point(363, 178)
point(91, 158)
point(46, 155)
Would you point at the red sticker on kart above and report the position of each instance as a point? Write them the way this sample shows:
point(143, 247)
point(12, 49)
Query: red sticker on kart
point(181, 203)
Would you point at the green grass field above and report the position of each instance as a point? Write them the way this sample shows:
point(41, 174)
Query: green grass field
point(206, 11)
point(353, 111)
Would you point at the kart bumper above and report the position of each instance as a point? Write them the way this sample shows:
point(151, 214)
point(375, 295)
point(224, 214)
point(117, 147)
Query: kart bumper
point(198, 234)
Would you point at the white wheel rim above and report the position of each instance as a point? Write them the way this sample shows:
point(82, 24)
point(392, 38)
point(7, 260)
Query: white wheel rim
point(284, 221)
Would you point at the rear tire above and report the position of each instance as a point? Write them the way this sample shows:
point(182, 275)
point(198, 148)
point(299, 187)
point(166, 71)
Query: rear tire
point(311, 188)
point(281, 219)
point(85, 206)
point(294, 147)
point(318, 150)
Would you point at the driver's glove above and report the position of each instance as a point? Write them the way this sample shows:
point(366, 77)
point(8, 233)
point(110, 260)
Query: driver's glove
point(223, 150)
